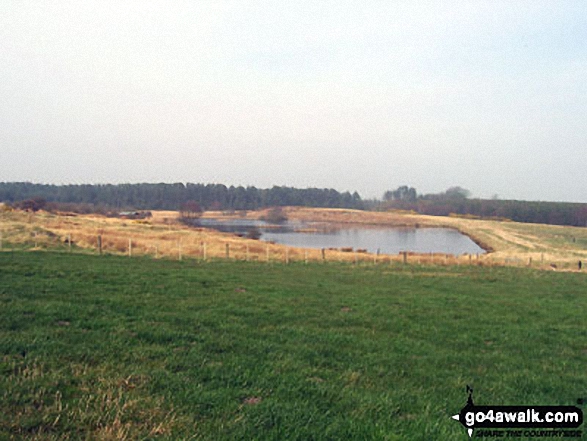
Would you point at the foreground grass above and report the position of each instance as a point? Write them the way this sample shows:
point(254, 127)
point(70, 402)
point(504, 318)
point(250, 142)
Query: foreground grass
point(115, 348)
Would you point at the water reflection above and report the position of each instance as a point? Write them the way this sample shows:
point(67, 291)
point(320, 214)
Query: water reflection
point(384, 240)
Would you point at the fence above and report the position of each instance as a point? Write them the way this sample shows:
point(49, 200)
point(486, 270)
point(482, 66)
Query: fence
point(179, 249)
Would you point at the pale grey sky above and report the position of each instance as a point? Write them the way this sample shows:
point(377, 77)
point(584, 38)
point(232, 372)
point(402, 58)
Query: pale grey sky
point(354, 95)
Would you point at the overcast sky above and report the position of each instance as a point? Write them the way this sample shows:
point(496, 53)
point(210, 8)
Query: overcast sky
point(353, 95)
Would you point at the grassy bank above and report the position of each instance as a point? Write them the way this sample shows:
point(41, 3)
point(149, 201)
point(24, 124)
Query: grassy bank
point(510, 243)
point(110, 347)
point(162, 236)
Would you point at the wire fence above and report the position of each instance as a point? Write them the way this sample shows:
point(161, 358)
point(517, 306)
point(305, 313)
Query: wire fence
point(189, 247)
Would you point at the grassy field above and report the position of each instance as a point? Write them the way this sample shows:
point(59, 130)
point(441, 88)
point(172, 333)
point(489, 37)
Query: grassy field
point(511, 243)
point(106, 347)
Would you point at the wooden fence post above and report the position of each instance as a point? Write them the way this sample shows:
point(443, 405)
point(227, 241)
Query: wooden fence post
point(405, 256)
point(69, 241)
point(323, 255)
point(204, 251)
point(227, 251)
point(179, 249)
point(129, 247)
point(100, 244)
point(306, 257)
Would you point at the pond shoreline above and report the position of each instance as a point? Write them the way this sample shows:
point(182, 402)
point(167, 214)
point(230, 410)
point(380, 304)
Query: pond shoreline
point(374, 238)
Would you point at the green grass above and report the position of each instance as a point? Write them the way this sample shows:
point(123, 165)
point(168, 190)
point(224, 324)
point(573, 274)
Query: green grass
point(110, 347)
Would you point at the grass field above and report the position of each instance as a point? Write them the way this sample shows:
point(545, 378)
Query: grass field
point(511, 243)
point(106, 347)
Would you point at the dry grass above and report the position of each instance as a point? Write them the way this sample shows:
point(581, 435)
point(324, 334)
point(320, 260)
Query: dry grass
point(162, 236)
point(510, 243)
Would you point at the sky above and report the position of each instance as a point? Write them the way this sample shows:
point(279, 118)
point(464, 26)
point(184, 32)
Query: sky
point(358, 95)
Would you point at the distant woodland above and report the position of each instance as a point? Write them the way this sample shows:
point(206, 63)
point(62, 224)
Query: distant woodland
point(174, 196)
point(456, 201)
point(453, 202)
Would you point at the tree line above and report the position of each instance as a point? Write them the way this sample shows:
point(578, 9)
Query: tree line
point(457, 201)
point(173, 196)
point(454, 201)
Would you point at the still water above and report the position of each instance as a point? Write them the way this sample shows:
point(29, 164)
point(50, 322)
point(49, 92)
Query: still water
point(385, 239)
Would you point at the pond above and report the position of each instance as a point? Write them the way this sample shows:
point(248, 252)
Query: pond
point(386, 240)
